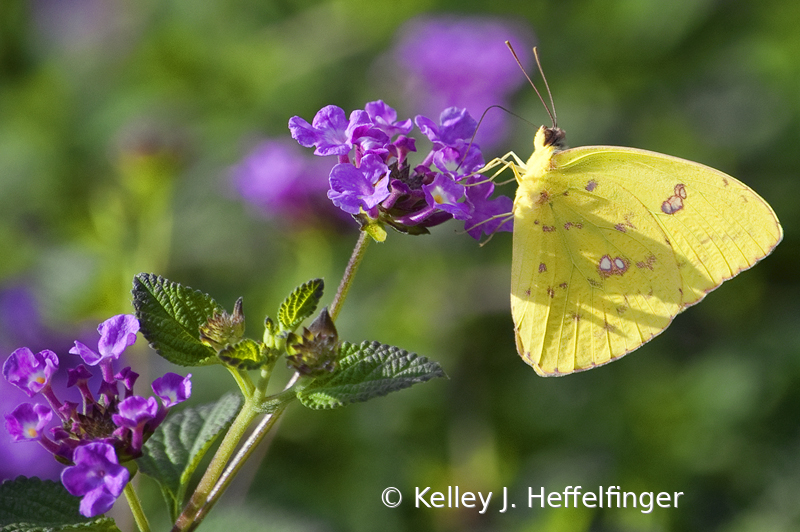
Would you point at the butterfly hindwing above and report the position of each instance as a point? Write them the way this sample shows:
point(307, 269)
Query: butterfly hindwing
point(606, 281)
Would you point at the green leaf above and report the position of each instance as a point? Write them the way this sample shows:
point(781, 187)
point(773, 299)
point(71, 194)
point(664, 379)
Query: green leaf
point(170, 316)
point(34, 505)
point(245, 354)
point(300, 304)
point(174, 451)
point(365, 371)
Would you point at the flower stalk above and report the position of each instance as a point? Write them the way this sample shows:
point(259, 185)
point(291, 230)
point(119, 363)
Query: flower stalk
point(349, 273)
point(136, 508)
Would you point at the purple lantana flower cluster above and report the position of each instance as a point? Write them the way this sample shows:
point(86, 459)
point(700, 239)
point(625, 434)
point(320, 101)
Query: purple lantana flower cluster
point(104, 430)
point(375, 182)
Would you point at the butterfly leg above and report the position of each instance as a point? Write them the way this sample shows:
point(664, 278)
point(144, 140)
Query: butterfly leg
point(509, 160)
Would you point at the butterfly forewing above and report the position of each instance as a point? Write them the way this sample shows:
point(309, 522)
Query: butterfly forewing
point(716, 225)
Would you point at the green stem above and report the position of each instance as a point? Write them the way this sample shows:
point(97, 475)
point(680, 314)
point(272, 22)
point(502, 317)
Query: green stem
point(235, 433)
point(349, 273)
point(217, 477)
point(136, 508)
point(266, 424)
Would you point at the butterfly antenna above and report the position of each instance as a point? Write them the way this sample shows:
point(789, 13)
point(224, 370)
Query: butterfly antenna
point(546, 86)
point(480, 121)
point(550, 113)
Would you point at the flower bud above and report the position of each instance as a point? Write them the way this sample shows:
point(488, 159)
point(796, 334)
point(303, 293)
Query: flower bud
point(223, 329)
point(314, 352)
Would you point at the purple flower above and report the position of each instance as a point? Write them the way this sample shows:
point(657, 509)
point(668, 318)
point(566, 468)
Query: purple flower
point(364, 187)
point(488, 216)
point(127, 377)
point(462, 61)
point(401, 147)
point(282, 182)
point(366, 136)
point(96, 476)
point(330, 132)
point(135, 411)
point(385, 118)
point(457, 162)
point(456, 127)
point(381, 187)
point(132, 417)
point(79, 377)
point(116, 334)
point(444, 194)
point(26, 422)
point(172, 388)
point(30, 372)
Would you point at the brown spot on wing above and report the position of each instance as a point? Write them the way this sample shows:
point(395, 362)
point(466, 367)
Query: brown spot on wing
point(647, 262)
point(675, 202)
point(608, 266)
point(609, 327)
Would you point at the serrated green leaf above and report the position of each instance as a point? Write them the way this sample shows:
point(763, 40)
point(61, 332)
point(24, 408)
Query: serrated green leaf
point(300, 304)
point(34, 505)
point(173, 452)
point(170, 316)
point(365, 371)
point(245, 354)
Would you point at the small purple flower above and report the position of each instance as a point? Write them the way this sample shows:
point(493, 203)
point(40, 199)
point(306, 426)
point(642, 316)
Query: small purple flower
point(364, 187)
point(385, 118)
point(128, 378)
point(30, 372)
point(456, 162)
point(330, 132)
point(96, 476)
point(401, 147)
point(172, 388)
point(456, 127)
point(135, 411)
point(444, 194)
point(79, 377)
point(488, 216)
point(26, 422)
point(116, 334)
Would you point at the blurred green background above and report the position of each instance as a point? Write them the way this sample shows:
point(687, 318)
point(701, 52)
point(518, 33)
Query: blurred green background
point(120, 121)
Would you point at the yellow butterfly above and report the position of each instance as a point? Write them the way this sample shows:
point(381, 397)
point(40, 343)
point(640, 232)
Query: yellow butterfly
point(611, 243)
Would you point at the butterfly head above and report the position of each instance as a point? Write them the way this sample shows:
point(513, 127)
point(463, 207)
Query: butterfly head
point(552, 136)
point(549, 139)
